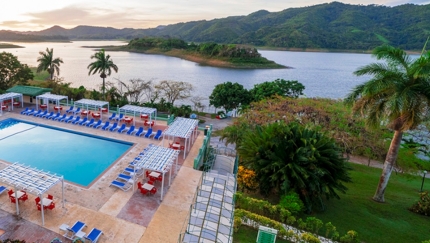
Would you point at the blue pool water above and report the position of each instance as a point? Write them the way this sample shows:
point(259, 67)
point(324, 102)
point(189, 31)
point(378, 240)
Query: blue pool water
point(79, 157)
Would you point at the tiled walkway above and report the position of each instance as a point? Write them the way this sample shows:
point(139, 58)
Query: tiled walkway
point(122, 216)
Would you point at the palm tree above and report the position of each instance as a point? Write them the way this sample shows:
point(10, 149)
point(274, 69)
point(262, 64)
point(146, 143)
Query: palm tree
point(397, 95)
point(103, 65)
point(48, 63)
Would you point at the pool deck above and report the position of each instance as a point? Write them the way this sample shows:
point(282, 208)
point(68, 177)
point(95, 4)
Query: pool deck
point(122, 216)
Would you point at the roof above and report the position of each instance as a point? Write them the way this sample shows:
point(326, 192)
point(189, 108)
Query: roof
point(95, 103)
point(52, 97)
point(9, 96)
point(29, 179)
point(158, 158)
point(29, 90)
point(138, 109)
point(181, 127)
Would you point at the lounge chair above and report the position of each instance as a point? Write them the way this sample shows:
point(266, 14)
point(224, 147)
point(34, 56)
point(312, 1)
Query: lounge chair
point(73, 120)
point(54, 116)
point(71, 232)
point(24, 111)
point(106, 126)
point(99, 125)
point(124, 177)
point(47, 115)
point(2, 189)
point(140, 132)
point(32, 112)
point(39, 114)
point(77, 111)
point(148, 134)
point(85, 121)
point(94, 235)
point(112, 116)
point(60, 117)
point(131, 130)
point(122, 128)
point(70, 110)
point(28, 111)
point(121, 185)
point(99, 122)
point(158, 134)
point(119, 118)
point(133, 171)
point(114, 127)
point(77, 120)
point(66, 119)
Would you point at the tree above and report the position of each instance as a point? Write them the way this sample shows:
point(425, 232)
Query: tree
point(49, 63)
point(12, 72)
point(174, 90)
point(229, 96)
point(398, 95)
point(277, 87)
point(103, 65)
point(289, 157)
point(136, 89)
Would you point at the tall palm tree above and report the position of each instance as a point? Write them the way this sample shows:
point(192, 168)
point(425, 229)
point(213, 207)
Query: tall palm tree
point(103, 65)
point(397, 95)
point(49, 63)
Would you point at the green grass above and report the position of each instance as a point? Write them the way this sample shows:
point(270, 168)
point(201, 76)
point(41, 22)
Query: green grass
point(248, 235)
point(42, 76)
point(388, 222)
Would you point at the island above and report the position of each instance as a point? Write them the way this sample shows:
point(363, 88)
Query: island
point(209, 54)
point(8, 45)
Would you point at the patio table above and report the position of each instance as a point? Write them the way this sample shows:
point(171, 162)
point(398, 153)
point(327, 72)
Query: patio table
point(147, 186)
point(46, 201)
point(58, 108)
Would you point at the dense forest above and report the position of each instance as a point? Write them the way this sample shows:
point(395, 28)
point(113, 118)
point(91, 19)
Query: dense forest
point(329, 26)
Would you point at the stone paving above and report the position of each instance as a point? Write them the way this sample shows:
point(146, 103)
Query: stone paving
point(122, 216)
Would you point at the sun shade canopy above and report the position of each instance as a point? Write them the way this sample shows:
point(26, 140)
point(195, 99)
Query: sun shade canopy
point(158, 159)
point(91, 103)
point(181, 127)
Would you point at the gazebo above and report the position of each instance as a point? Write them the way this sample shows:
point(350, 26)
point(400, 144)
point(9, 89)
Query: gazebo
point(183, 128)
point(31, 180)
point(158, 159)
point(10, 97)
point(92, 104)
point(151, 112)
point(51, 97)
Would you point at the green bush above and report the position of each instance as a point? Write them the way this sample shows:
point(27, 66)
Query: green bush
point(423, 205)
point(12, 241)
point(350, 237)
point(310, 238)
point(292, 202)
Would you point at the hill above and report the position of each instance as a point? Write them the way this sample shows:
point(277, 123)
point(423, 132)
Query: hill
point(335, 26)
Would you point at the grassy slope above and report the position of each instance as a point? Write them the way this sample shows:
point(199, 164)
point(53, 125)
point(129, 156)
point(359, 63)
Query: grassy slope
point(379, 222)
point(38, 77)
point(248, 235)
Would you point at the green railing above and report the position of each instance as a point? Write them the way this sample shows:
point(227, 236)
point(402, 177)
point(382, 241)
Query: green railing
point(203, 151)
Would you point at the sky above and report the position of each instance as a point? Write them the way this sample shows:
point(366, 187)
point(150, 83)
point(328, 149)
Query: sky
point(31, 15)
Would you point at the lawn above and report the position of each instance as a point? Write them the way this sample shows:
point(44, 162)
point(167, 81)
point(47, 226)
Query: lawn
point(248, 235)
point(42, 76)
point(388, 222)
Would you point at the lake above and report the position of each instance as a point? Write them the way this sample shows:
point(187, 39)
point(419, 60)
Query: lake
point(327, 75)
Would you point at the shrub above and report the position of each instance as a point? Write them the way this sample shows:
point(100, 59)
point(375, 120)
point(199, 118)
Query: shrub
point(292, 202)
point(350, 237)
point(423, 205)
point(310, 238)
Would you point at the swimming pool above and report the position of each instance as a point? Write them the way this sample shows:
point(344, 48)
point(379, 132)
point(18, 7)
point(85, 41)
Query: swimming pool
point(79, 157)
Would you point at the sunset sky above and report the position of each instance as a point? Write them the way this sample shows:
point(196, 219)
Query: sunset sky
point(26, 15)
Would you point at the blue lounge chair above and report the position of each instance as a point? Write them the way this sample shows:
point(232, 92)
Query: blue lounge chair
point(105, 126)
point(39, 114)
point(89, 124)
point(84, 122)
point(148, 134)
point(24, 111)
point(112, 116)
point(158, 135)
point(99, 125)
point(124, 177)
point(121, 185)
point(94, 124)
point(67, 119)
point(33, 112)
point(47, 115)
point(133, 171)
point(74, 120)
point(140, 131)
point(94, 235)
point(131, 130)
point(80, 121)
point(2, 189)
point(123, 128)
point(54, 116)
point(114, 127)
point(77, 111)
point(71, 232)
point(60, 117)
point(70, 110)
point(28, 111)
point(120, 117)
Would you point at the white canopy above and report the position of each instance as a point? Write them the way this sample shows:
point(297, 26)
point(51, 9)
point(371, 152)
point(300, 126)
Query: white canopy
point(51, 97)
point(159, 159)
point(95, 104)
point(152, 112)
point(31, 180)
point(183, 128)
point(10, 96)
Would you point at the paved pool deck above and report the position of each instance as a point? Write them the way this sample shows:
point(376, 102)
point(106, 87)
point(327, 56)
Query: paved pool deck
point(122, 216)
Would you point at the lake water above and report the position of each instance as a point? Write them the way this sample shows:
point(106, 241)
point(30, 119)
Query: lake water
point(323, 74)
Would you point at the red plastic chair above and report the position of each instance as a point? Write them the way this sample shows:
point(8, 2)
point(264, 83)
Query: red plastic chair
point(23, 197)
point(39, 207)
point(51, 206)
point(139, 185)
point(50, 197)
point(37, 199)
point(147, 173)
point(143, 191)
point(12, 199)
point(10, 192)
point(153, 190)
point(150, 182)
